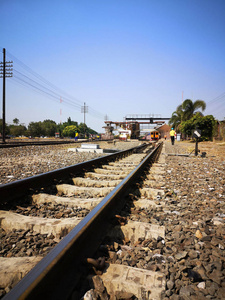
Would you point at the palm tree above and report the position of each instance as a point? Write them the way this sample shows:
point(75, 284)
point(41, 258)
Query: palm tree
point(185, 111)
point(190, 108)
point(177, 117)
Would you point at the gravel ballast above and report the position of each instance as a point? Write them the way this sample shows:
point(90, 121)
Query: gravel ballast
point(22, 162)
point(192, 254)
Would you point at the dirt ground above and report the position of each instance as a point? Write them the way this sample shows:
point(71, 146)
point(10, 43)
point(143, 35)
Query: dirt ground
point(212, 148)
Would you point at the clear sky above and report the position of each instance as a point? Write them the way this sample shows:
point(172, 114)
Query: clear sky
point(120, 57)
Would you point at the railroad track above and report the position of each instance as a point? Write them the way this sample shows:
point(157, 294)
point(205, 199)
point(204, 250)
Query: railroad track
point(19, 143)
point(77, 212)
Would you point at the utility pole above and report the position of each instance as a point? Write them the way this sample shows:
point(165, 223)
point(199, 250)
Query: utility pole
point(84, 109)
point(5, 71)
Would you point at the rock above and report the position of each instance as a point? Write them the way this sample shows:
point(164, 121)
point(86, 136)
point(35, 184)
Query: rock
point(206, 238)
point(212, 288)
point(29, 252)
point(193, 275)
point(178, 228)
point(201, 271)
point(28, 243)
point(90, 295)
point(98, 284)
point(116, 246)
point(170, 284)
point(193, 254)
point(112, 256)
point(124, 295)
point(201, 285)
point(168, 293)
point(181, 255)
point(221, 293)
point(185, 291)
point(152, 267)
point(100, 288)
point(178, 284)
point(215, 276)
point(198, 234)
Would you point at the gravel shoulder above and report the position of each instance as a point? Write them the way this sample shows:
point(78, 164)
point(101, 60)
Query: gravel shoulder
point(195, 222)
point(22, 162)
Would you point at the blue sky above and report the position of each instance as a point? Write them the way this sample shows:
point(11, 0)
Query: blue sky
point(119, 57)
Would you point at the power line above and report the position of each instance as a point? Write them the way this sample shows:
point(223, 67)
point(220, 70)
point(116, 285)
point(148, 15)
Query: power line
point(217, 109)
point(217, 98)
point(43, 88)
point(28, 69)
point(95, 113)
point(47, 88)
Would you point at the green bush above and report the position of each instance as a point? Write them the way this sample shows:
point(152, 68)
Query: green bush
point(205, 124)
point(69, 131)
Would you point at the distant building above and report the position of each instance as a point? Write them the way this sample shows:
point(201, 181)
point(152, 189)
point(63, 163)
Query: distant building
point(164, 130)
point(124, 134)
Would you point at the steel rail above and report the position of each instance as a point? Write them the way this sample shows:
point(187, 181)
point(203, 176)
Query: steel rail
point(38, 143)
point(42, 143)
point(19, 188)
point(55, 276)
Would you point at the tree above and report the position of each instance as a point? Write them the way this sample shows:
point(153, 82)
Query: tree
point(92, 131)
point(48, 128)
point(69, 122)
point(16, 121)
point(35, 129)
point(205, 124)
point(1, 127)
point(177, 117)
point(190, 108)
point(17, 130)
point(83, 128)
point(186, 111)
point(70, 131)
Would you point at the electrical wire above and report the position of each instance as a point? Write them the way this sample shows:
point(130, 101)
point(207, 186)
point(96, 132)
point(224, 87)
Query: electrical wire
point(25, 83)
point(45, 81)
point(215, 105)
point(217, 98)
point(43, 88)
point(47, 88)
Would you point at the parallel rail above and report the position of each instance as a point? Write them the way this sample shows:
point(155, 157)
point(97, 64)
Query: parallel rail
point(55, 276)
point(36, 143)
point(12, 144)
